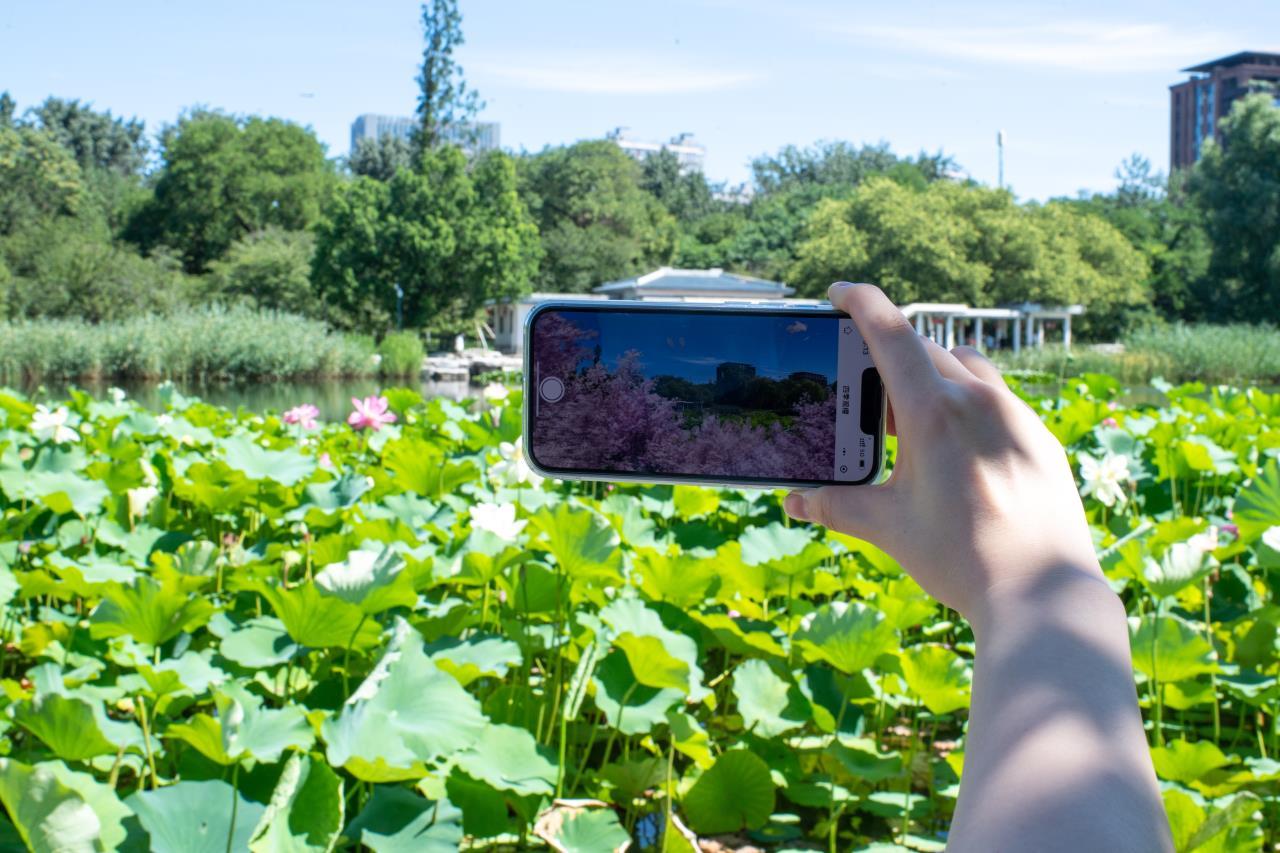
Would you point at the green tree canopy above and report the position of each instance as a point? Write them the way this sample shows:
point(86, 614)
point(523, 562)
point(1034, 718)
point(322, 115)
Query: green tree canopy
point(1237, 186)
point(451, 238)
point(97, 140)
point(39, 179)
point(223, 178)
point(380, 158)
point(597, 222)
point(267, 269)
point(841, 164)
point(954, 243)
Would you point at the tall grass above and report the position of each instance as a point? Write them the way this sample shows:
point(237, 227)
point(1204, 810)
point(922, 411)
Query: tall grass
point(205, 344)
point(402, 354)
point(1179, 353)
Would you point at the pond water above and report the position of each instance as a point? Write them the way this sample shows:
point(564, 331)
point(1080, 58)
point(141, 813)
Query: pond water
point(331, 397)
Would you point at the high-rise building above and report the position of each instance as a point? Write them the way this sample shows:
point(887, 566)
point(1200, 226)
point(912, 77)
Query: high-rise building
point(1198, 105)
point(475, 137)
point(689, 154)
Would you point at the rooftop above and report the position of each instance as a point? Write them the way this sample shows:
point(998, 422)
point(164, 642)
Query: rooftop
point(696, 281)
point(1244, 57)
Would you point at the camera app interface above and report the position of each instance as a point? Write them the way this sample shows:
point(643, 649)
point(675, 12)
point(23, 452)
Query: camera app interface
point(733, 396)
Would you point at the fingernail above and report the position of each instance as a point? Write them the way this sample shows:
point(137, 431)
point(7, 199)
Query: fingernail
point(794, 506)
point(837, 287)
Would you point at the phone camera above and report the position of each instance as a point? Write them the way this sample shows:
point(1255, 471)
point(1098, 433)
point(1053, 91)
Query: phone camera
point(551, 389)
point(844, 469)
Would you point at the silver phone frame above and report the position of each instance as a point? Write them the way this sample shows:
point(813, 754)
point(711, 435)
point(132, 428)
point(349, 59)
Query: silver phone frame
point(879, 476)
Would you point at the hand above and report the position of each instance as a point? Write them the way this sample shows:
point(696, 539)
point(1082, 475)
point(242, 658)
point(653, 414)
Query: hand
point(981, 492)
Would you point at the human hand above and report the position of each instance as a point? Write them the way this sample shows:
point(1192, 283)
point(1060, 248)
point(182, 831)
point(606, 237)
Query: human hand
point(981, 493)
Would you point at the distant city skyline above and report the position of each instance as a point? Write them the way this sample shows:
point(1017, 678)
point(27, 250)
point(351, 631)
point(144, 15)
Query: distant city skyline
point(1076, 91)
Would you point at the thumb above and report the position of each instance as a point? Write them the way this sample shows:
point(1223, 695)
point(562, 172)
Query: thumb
point(859, 511)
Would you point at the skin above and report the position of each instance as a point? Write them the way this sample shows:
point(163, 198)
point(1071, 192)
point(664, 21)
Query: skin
point(982, 510)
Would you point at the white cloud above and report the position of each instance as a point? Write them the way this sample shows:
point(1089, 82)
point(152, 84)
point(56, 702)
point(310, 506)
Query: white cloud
point(613, 74)
point(1077, 46)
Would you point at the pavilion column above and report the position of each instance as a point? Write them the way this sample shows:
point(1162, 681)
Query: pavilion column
point(920, 324)
point(950, 332)
point(977, 334)
point(1066, 332)
point(1040, 333)
point(1017, 335)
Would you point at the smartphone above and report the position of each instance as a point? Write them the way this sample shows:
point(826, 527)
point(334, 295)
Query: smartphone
point(715, 394)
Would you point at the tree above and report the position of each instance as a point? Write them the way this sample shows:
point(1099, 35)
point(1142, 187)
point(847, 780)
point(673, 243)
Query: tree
point(954, 243)
point(267, 269)
point(841, 164)
point(223, 178)
point(380, 158)
point(97, 140)
point(39, 179)
point(685, 194)
point(1237, 186)
point(444, 101)
point(597, 223)
point(450, 238)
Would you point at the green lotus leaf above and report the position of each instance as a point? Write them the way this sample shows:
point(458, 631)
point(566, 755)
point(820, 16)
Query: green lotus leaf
point(1194, 827)
point(509, 759)
point(49, 815)
point(862, 758)
point(477, 656)
point(421, 467)
point(1186, 762)
point(193, 671)
point(768, 704)
point(628, 705)
point(371, 580)
point(1170, 649)
point(938, 676)
point(396, 820)
point(591, 831)
point(305, 814)
point(318, 620)
point(406, 713)
point(683, 580)
point(651, 665)
point(690, 738)
point(583, 543)
point(1179, 566)
point(148, 612)
point(1257, 506)
point(736, 793)
point(191, 816)
point(903, 603)
point(286, 467)
point(772, 542)
point(258, 643)
point(245, 729)
point(118, 827)
point(695, 501)
point(337, 494)
point(847, 635)
point(66, 724)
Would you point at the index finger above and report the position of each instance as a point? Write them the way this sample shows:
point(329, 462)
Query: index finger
point(904, 364)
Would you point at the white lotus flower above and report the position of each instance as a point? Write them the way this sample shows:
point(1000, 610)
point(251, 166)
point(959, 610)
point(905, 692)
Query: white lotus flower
point(495, 392)
point(52, 425)
point(512, 470)
point(1105, 478)
point(498, 519)
point(140, 498)
point(1272, 538)
point(117, 395)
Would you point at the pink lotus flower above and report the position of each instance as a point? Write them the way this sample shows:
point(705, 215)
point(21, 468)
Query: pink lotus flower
point(370, 413)
point(304, 416)
point(326, 462)
point(1231, 530)
point(1110, 422)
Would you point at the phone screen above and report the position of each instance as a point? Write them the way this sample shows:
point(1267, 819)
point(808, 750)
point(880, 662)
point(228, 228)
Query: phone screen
point(768, 396)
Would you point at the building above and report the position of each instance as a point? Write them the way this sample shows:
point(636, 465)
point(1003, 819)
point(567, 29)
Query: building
point(947, 324)
point(475, 137)
point(1197, 106)
point(689, 154)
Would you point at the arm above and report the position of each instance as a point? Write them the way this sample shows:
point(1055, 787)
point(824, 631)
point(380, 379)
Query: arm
point(982, 509)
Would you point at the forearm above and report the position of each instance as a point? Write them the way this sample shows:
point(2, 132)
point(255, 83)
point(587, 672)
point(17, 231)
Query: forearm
point(1056, 757)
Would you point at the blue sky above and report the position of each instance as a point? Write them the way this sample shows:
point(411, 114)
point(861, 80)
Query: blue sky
point(1077, 86)
point(693, 347)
